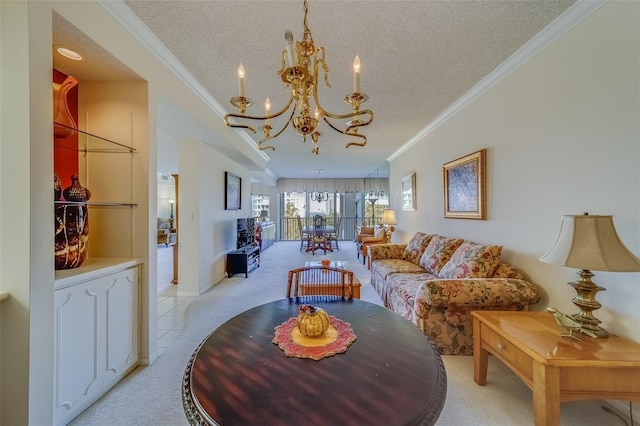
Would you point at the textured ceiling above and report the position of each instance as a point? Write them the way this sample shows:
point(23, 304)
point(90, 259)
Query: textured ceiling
point(418, 57)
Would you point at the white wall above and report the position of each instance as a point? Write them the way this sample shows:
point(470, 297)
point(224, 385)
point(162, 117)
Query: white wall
point(18, 108)
point(562, 137)
point(206, 230)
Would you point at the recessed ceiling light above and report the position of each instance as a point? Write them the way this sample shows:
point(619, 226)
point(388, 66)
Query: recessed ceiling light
point(69, 54)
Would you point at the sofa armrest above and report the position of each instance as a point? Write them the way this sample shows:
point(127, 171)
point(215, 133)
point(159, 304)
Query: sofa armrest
point(474, 292)
point(387, 251)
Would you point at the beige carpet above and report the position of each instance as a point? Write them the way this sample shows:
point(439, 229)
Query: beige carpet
point(151, 394)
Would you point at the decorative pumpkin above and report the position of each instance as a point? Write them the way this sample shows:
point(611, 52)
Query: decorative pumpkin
point(312, 321)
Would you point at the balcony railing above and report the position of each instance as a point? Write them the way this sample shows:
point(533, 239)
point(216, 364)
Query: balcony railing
point(289, 227)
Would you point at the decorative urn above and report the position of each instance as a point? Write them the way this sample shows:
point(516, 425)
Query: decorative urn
point(312, 321)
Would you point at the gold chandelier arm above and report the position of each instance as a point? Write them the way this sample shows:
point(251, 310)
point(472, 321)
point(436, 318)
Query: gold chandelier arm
point(351, 130)
point(356, 134)
point(368, 112)
point(265, 117)
point(263, 148)
point(239, 125)
point(271, 147)
point(254, 117)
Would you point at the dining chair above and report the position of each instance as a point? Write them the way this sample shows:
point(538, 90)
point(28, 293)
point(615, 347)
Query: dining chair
point(304, 234)
point(319, 238)
point(335, 233)
point(320, 281)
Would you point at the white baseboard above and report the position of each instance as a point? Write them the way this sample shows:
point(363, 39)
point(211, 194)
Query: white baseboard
point(622, 407)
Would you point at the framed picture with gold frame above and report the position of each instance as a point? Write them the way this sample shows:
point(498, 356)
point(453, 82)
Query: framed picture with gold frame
point(409, 192)
point(465, 187)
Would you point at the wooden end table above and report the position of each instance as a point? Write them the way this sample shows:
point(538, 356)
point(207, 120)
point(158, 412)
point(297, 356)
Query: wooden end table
point(555, 368)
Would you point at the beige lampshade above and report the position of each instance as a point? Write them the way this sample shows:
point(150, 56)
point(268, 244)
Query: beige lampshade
point(388, 217)
point(591, 242)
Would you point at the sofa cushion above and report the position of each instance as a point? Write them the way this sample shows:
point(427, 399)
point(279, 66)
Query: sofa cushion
point(472, 260)
point(415, 247)
point(438, 252)
point(507, 271)
point(386, 267)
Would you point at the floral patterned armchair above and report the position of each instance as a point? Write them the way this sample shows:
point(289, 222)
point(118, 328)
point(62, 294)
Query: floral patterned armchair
point(381, 236)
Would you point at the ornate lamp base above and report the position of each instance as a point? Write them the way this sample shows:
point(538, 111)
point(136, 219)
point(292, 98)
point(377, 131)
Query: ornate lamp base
point(586, 301)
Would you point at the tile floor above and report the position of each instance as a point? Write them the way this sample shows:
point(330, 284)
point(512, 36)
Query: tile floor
point(171, 308)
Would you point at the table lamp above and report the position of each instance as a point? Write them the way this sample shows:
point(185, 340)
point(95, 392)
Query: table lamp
point(388, 219)
point(590, 242)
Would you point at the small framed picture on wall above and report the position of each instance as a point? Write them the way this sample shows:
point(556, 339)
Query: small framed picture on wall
point(232, 191)
point(409, 192)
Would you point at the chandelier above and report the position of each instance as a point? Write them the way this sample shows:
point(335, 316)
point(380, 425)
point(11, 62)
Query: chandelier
point(299, 71)
point(319, 196)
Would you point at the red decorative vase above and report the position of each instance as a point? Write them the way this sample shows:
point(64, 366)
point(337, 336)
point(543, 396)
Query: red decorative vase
point(61, 113)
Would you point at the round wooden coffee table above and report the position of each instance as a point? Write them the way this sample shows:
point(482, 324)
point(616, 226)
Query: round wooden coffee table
point(391, 374)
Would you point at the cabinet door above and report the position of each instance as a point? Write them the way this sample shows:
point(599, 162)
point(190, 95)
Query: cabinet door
point(121, 296)
point(77, 350)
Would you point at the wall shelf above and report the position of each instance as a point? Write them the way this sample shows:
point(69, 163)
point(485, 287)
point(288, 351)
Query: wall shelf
point(96, 203)
point(114, 147)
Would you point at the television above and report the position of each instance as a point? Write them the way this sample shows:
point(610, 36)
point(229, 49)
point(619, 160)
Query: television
point(246, 234)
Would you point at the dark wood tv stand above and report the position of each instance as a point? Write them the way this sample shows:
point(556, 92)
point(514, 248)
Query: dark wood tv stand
point(243, 260)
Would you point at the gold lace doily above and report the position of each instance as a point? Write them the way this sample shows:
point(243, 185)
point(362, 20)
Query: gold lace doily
point(294, 344)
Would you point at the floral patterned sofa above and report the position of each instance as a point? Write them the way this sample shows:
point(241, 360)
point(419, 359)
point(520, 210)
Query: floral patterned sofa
point(436, 282)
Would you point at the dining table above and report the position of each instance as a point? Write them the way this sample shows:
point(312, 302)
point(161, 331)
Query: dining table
point(388, 373)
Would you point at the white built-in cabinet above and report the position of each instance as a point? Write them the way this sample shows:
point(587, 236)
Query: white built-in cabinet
point(95, 333)
point(98, 328)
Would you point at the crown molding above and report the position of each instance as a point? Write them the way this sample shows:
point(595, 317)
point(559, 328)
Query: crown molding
point(563, 23)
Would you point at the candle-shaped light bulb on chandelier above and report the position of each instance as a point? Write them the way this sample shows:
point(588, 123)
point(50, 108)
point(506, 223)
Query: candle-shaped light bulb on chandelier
point(288, 36)
point(267, 110)
point(356, 75)
point(241, 81)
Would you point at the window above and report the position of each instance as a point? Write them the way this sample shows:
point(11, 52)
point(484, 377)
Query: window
point(259, 204)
